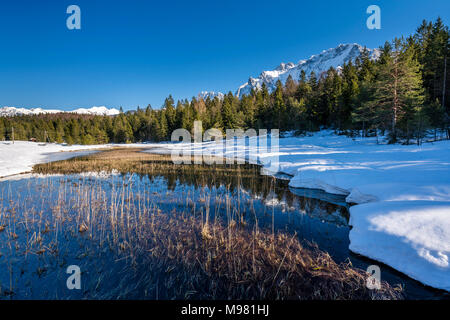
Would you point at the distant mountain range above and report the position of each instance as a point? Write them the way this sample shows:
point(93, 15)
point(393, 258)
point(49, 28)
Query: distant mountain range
point(12, 111)
point(320, 63)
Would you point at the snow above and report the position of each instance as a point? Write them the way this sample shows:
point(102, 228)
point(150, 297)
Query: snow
point(410, 236)
point(97, 111)
point(12, 111)
point(402, 216)
point(21, 156)
point(211, 94)
point(402, 193)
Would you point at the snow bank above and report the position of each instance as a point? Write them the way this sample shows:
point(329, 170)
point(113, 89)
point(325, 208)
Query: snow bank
point(410, 236)
point(21, 156)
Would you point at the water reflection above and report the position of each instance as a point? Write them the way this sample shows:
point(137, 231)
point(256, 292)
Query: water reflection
point(237, 192)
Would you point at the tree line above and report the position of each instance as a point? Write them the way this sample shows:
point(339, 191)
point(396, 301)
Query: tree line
point(404, 94)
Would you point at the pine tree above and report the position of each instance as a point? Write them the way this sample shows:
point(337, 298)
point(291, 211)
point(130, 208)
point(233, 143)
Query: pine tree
point(304, 89)
point(435, 51)
point(228, 120)
point(279, 108)
point(367, 113)
point(431, 42)
point(332, 99)
point(398, 87)
point(2, 130)
point(436, 115)
point(170, 113)
point(350, 92)
point(365, 65)
point(265, 91)
point(290, 86)
point(163, 127)
point(248, 109)
point(59, 131)
point(179, 115)
point(148, 110)
point(74, 132)
point(187, 120)
point(263, 104)
point(312, 103)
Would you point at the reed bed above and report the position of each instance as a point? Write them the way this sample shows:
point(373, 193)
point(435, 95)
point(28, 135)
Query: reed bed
point(234, 177)
point(126, 160)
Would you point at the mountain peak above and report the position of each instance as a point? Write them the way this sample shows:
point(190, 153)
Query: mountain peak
point(319, 63)
point(211, 94)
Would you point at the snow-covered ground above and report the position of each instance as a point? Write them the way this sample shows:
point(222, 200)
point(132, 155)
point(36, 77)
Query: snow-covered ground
point(403, 192)
point(21, 156)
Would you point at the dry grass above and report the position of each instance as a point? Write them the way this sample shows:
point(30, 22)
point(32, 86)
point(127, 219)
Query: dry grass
point(127, 160)
point(227, 262)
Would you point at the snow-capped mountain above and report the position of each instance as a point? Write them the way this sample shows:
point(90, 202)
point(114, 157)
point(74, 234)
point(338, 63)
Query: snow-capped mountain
point(210, 94)
point(103, 111)
point(334, 57)
point(12, 111)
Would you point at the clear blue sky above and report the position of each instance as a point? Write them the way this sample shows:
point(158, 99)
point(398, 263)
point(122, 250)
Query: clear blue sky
point(131, 53)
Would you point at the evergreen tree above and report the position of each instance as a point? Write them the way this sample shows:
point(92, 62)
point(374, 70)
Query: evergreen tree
point(350, 92)
point(436, 115)
point(290, 86)
point(2, 130)
point(248, 110)
point(398, 87)
point(304, 88)
point(163, 127)
point(367, 113)
point(332, 94)
point(228, 118)
point(279, 108)
point(170, 112)
point(365, 65)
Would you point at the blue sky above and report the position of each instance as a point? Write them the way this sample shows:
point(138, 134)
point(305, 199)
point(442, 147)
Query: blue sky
point(131, 53)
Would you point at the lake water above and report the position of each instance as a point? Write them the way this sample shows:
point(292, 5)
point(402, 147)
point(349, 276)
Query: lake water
point(43, 219)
